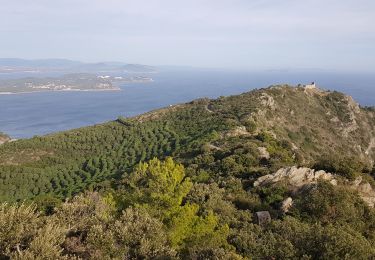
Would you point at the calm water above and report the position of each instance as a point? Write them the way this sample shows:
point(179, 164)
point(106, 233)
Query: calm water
point(26, 115)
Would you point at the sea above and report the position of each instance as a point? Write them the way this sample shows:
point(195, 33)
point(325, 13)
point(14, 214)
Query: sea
point(37, 114)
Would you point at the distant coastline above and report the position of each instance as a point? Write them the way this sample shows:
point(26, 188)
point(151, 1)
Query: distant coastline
point(61, 90)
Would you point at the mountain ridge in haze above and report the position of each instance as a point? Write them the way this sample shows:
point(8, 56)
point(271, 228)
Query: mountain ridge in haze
point(14, 64)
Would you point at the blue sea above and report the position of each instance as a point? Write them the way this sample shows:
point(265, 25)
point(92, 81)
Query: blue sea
point(27, 115)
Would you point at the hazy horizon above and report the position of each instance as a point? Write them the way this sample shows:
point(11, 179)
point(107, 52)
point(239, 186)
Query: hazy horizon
point(196, 67)
point(246, 35)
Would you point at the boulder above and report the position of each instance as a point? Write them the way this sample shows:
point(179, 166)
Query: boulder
point(295, 178)
point(262, 218)
point(286, 204)
point(263, 153)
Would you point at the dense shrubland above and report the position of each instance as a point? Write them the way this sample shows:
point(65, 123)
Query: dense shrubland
point(159, 212)
point(113, 191)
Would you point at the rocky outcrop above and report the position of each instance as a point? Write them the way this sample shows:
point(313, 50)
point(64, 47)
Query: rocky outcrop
point(365, 190)
point(4, 138)
point(267, 101)
point(353, 110)
point(296, 178)
point(370, 146)
point(238, 131)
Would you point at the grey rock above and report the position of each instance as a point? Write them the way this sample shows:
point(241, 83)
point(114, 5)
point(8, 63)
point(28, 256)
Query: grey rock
point(295, 177)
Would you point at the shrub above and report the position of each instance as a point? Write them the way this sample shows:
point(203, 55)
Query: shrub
point(346, 167)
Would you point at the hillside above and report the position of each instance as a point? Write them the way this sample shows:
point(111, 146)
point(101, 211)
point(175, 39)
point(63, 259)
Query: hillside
point(232, 157)
point(296, 126)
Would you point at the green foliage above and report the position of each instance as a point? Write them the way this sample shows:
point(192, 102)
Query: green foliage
point(330, 223)
point(323, 242)
point(47, 203)
point(187, 229)
point(202, 177)
point(280, 151)
point(158, 186)
point(124, 121)
point(134, 235)
point(46, 244)
point(292, 239)
point(250, 125)
point(24, 234)
point(18, 224)
point(328, 204)
point(84, 211)
point(346, 167)
point(67, 163)
point(272, 195)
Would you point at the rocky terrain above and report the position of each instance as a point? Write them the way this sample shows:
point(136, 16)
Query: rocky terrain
point(4, 138)
point(295, 178)
point(315, 121)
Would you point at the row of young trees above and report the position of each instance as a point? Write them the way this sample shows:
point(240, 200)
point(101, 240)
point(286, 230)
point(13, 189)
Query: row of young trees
point(66, 163)
point(73, 162)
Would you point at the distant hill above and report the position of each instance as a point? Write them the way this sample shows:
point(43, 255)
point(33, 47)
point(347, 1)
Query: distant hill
point(137, 68)
point(50, 65)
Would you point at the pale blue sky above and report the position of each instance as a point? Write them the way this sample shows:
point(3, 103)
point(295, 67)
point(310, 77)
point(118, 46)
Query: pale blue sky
point(245, 34)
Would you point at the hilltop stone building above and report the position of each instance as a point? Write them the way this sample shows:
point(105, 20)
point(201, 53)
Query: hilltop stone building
point(310, 86)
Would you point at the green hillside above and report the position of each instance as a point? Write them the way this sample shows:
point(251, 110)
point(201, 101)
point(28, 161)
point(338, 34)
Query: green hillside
point(296, 127)
point(200, 204)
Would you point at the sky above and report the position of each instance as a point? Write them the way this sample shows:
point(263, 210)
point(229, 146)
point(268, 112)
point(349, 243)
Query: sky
point(233, 34)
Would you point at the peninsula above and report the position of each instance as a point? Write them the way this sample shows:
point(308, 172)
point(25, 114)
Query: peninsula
point(68, 82)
